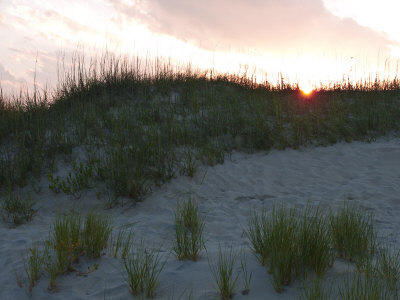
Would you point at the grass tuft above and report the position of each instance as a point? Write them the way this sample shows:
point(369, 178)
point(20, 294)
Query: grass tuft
point(66, 241)
point(315, 242)
point(290, 244)
point(246, 276)
point(188, 230)
point(142, 270)
point(95, 234)
point(359, 286)
point(16, 209)
point(222, 271)
point(34, 266)
point(353, 233)
point(70, 238)
point(315, 290)
point(388, 267)
point(122, 244)
point(74, 182)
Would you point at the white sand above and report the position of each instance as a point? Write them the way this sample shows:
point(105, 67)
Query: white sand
point(362, 172)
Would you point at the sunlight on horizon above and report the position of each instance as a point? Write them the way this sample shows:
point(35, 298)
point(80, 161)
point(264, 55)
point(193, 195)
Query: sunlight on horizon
point(306, 89)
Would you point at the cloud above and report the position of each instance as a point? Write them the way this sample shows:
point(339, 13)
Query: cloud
point(6, 75)
point(42, 65)
point(280, 26)
point(381, 16)
point(48, 23)
point(53, 16)
point(9, 83)
point(25, 71)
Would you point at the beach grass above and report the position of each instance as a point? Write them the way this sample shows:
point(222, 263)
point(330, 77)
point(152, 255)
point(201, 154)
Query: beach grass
point(189, 227)
point(185, 294)
point(247, 276)
point(353, 232)
point(34, 266)
point(73, 237)
point(387, 266)
point(292, 242)
point(141, 123)
point(95, 234)
point(289, 244)
point(70, 238)
point(66, 241)
point(315, 289)
point(222, 269)
point(379, 274)
point(360, 286)
point(142, 269)
point(122, 244)
point(16, 208)
point(311, 236)
point(314, 242)
point(74, 182)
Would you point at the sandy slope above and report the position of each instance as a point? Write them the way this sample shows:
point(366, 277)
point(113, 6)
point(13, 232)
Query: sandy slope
point(367, 173)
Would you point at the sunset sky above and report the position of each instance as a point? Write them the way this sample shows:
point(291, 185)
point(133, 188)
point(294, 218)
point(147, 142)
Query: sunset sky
point(309, 41)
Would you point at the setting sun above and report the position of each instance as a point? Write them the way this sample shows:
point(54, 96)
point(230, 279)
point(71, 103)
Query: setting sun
point(306, 90)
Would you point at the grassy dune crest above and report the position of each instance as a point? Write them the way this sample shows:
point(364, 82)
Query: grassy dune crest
point(141, 124)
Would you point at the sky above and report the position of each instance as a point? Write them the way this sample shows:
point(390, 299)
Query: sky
point(308, 41)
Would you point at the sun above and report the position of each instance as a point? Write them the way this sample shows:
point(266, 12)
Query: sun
point(307, 90)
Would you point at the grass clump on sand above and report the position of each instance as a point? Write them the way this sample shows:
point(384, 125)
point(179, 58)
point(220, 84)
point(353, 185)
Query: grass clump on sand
point(314, 242)
point(66, 241)
point(142, 270)
point(189, 164)
point(222, 270)
point(70, 238)
point(377, 278)
point(387, 266)
point(315, 290)
point(188, 230)
point(121, 245)
point(16, 209)
point(246, 275)
point(95, 234)
point(34, 266)
point(353, 233)
point(290, 244)
point(360, 286)
point(73, 183)
point(354, 286)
